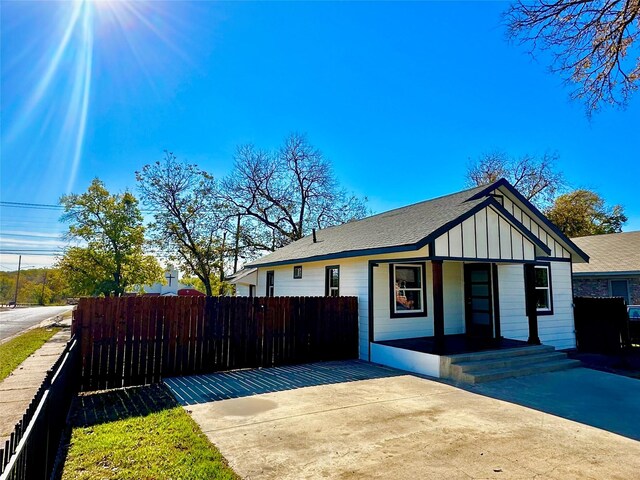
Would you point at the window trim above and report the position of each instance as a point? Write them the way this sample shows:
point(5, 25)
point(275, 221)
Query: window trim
point(295, 269)
point(545, 311)
point(392, 292)
point(327, 287)
point(273, 285)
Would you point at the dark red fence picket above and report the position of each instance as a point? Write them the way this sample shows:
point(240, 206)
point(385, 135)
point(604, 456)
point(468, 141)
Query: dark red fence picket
point(139, 340)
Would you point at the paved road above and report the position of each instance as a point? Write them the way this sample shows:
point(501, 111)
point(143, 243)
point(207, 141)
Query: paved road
point(18, 319)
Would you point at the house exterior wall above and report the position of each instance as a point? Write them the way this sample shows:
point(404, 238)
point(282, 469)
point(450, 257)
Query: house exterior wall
point(242, 290)
point(387, 328)
point(557, 329)
point(601, 287)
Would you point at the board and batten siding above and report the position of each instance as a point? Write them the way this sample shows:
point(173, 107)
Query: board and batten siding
point(556, 329)
point(485, 235)
point(534, 225)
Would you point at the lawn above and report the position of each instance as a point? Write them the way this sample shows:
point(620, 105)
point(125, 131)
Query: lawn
point(138, 433)
point(16, 350)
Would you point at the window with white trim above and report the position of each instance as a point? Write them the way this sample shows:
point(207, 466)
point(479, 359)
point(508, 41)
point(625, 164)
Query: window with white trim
point(332, 281)
point(297, 272)
point(270, 283)
point(407, 290)
point(543, 288)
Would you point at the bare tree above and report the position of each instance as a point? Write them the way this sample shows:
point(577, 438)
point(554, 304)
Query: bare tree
point(592, 43)
point(535, 178)
point(281, 196)
point(188, 224)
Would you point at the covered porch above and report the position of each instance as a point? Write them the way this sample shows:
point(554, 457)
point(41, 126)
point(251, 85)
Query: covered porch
point(453, 344)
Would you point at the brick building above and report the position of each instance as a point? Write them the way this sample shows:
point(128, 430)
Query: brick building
point(613, 268)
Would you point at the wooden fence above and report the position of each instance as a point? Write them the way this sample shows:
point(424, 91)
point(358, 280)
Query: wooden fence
point(602, 324)
point(139, 340)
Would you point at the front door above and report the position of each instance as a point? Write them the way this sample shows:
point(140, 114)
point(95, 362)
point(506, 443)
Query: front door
point(478, 301)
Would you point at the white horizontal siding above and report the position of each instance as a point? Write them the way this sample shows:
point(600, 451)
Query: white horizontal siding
point(556, 329)
point(387, 328)
point(242, 290)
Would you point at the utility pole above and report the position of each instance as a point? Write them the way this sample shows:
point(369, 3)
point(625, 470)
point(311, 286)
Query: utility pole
point(15, 298)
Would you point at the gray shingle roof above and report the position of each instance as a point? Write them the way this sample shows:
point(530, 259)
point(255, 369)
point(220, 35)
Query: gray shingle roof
point(404, 226)
point(615, 252)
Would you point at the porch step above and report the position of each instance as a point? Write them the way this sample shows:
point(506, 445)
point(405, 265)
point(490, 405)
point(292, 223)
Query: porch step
point(499, 364)
point(504, 362)
point(504, 353)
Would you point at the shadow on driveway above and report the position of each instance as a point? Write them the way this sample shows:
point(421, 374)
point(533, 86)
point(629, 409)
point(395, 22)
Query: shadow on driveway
point(196, 389)
point(603, 400)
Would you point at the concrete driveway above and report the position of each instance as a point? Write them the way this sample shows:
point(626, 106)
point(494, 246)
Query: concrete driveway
point(356, 420)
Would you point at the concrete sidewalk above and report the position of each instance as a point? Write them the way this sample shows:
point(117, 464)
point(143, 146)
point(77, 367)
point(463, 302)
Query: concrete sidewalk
point(17, 390)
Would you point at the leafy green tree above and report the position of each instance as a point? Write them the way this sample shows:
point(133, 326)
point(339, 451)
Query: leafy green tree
point(113, 258)
point(536, 178)
point(583, 212)
point(593, 45)
point(7, 287)
point(189, 226)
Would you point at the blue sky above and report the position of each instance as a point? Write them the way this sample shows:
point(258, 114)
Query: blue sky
point(399, 96)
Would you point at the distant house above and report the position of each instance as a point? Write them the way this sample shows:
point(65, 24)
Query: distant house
point(614, 268)
point(475, 269)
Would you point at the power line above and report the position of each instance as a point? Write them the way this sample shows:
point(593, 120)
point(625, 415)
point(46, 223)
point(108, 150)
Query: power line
point(49, 206)
point(35, 235)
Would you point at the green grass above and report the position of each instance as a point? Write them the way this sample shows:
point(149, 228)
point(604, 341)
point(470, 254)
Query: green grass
point(16, 350)
point(139, 433)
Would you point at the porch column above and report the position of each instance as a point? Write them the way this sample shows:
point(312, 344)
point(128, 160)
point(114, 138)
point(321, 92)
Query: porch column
point(531, 303)
point(438, 306)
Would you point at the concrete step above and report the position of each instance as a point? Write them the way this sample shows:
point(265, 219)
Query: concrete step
point(507, 362)
point(530, 369)
point(496, 354)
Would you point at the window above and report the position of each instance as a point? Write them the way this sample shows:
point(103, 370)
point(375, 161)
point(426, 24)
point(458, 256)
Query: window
point(270, 283)
point(620, 288)
point(297, 271)
point(332, 282)
point(543, 289)
point(407, 290)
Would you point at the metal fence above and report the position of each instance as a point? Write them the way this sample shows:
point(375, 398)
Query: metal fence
point(30, 452)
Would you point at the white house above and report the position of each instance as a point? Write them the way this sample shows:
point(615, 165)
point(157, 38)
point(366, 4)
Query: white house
point(479, 269)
